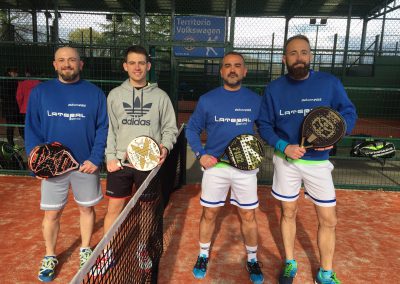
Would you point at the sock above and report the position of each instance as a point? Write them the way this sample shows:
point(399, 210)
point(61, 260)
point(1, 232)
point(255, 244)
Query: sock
point(251, 253)
point(205, 249)
point(83, 248)
point(326, 274)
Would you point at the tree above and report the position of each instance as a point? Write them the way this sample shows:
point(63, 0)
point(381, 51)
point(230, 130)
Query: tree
point(82, 36)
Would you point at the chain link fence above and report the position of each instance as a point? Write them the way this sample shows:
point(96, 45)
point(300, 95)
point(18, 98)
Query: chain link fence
point(367, 61)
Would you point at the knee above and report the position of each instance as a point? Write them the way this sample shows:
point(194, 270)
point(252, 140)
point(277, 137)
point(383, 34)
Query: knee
point(328, 222)
point(114, 209)
point(289, 213)
point(209, 214)
point(248, 216)
point(86, 210)
point(52, 216)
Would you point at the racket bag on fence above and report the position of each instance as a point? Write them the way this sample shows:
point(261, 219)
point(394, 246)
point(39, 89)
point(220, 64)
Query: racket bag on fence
point(374, 149)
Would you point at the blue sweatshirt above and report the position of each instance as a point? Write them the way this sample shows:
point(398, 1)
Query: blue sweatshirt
point(286, 102)
point(73, 114)
point(223, 115)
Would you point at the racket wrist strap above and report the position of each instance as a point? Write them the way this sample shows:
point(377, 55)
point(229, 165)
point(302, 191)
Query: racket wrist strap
point(281, 145)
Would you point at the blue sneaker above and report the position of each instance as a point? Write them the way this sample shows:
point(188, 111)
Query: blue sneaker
point(47, 269)
point(253, 267)
point(200, 268)
point(289, 272)
point(321, 278)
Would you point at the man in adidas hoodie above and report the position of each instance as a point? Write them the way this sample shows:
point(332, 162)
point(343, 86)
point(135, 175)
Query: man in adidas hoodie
point(135, 108)
point(73, 112)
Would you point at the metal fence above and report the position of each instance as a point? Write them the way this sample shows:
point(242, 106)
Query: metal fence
point(367, 61)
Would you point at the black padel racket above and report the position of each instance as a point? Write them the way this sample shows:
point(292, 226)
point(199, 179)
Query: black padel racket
point(322, 127)
point(244, 152)
point(50, 160)
point(143, 153)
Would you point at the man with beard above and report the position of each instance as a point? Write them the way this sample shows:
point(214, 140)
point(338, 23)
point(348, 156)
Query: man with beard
point(285, 103)
point(73, 112)
point(224, 113)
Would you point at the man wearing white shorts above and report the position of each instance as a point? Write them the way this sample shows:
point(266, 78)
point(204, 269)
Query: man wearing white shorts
point(224, 113)
point(285, 103)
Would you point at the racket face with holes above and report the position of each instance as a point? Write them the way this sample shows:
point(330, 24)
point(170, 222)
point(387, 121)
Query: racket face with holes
point(50, 160)
point(322, 127)
point(143, 153)
point(245, 152)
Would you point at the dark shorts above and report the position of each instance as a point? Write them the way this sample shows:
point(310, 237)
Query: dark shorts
point(125, 182)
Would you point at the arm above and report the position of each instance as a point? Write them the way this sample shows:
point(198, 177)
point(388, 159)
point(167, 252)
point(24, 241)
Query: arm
point(167, 125)
point(33, 130)
point(97, 153)
point(345, 107)
point(194, 128)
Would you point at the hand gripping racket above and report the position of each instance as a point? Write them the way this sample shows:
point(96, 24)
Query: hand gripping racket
point(143, 153)
point(322, 127)
point(244, 152)
point(50, 160)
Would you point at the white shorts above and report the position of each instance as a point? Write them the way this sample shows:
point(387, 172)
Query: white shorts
point(316, 177)
point(217, 181)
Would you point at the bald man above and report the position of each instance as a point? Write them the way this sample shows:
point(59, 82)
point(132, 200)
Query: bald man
point(73, 112)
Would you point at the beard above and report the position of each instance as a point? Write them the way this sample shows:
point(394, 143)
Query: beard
point(299, 72)
point(69, 76)
point(232, 80)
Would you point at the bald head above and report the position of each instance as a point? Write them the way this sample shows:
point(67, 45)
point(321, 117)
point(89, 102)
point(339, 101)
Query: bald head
point(66, 50)
point(67, 64)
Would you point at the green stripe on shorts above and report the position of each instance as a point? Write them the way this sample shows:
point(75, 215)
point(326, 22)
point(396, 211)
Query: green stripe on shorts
point(300, 161)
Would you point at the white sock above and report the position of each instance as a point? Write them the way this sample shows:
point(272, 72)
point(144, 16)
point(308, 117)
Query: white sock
point(251, 253)
point(205, 249)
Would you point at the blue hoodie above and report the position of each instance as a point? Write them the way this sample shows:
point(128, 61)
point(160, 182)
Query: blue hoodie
point(287, 101)
point(73, 114)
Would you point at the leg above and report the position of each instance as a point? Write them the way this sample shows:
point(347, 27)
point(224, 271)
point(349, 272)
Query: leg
point(115, 207)
point(207, 223)
point(50, 228)
point(249, 226)
point(288, 226)
point(326, 234)
point(87, 219)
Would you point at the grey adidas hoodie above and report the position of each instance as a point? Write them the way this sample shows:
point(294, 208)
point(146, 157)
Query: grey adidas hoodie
point(133, 113)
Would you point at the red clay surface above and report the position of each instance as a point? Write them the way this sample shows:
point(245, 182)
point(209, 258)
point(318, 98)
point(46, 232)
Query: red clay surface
point(367, 237)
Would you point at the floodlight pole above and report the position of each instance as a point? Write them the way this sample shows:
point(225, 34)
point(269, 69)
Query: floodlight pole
point(315, 46)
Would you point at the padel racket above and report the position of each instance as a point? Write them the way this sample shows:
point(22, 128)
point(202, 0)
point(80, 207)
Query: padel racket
point(322, 127)
point(244, 152)
point(143, 153)
point(50, 160)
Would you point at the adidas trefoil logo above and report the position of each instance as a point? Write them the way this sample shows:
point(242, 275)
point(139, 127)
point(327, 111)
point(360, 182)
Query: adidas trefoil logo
point(136, 110)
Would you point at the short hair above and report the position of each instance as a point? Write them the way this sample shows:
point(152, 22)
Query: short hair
point(232, 53)
point(299, 36)
point(136, 49)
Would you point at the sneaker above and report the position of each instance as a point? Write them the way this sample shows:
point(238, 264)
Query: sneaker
point(253, 267)
point(104, 262)
point(84, 255)
point(331, 280)
point(145, 262)
point(200, 268)
point(47, 269)
point(289, 273)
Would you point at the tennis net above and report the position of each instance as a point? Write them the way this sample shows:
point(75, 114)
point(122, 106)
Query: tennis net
point(131, 250)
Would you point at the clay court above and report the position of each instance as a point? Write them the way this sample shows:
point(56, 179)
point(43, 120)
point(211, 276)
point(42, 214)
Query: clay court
point(367, 237)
